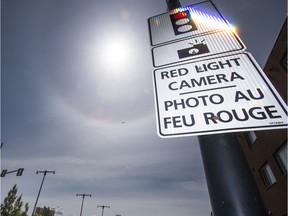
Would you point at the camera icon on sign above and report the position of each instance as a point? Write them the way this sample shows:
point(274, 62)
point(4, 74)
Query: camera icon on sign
point(196, 49)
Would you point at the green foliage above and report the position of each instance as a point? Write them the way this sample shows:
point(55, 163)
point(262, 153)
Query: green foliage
point(13, 204)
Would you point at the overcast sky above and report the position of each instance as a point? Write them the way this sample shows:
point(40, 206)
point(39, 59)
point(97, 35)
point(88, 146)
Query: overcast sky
point(77, 97)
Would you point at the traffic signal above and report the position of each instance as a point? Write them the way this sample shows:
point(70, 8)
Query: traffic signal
point(3, 173)
point(20, 171)
point(182, 22)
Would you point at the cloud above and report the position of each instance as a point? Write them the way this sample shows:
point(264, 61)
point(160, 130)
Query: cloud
point(58, 210)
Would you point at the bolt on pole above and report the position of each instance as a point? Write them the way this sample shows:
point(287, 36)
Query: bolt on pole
point(83, 196)
point(44, 174)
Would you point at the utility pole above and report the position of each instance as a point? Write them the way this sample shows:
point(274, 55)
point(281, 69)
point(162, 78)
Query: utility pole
point(103, 208)
point(232, 188)
point(83, 196)
point(44, 174)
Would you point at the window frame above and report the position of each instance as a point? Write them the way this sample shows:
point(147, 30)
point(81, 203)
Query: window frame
point(267, 176)
point(282, 165)
point(251, 138)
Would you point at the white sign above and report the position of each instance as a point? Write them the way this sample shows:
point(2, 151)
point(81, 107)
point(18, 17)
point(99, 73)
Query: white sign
point(196, 47)
point(185, 22)
point(225, 94)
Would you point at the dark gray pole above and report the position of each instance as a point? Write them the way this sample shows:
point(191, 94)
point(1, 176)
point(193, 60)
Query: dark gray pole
point(83, 196)
point(44, 174)
point(173, 4)
point(232, 188)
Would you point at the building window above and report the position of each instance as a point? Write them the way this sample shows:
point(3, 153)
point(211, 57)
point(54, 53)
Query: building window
point(281, 158)
point(267, 175)
point(250, 138)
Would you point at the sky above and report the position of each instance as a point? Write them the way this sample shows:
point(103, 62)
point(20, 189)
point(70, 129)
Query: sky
point(77, 97)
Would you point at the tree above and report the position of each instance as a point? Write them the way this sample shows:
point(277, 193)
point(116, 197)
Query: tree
point(13, 204)
point(44, 211)
point(47, 211)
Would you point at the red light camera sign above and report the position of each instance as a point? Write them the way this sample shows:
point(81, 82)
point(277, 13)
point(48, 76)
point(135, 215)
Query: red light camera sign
point(225, 94)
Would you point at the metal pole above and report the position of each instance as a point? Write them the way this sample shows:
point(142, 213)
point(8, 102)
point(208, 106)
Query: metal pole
point(173, 4)
point(44, 174)
point(232, 188)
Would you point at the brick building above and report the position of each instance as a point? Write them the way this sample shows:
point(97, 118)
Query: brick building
point(266, 151)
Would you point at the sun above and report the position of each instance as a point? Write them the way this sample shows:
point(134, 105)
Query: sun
point(116, 53)
point(111, 52)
